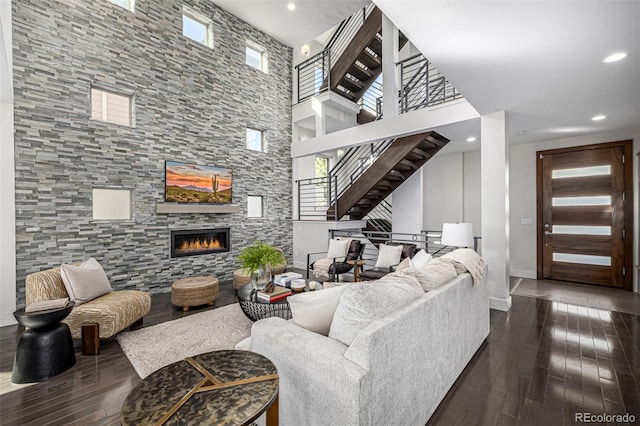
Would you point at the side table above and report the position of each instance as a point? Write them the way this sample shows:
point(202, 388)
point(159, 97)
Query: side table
point(357, 266)
point(217, 388)
point(45, 349)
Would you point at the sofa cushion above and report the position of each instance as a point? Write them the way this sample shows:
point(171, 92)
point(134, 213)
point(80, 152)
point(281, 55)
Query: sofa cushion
point(112, 312)
point(435, 273)
point(360, 304)
point(420, 259)
point(406, 263)
point(314, 310)
point(388, 256)
point(85, 282)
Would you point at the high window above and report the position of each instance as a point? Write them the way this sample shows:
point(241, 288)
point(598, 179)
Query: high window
point(257, 57)
point(255, 139)
point(111, 107)
point(197, 27)
point(127, 4)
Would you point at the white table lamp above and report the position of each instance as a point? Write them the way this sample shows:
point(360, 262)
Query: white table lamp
point(457, 234)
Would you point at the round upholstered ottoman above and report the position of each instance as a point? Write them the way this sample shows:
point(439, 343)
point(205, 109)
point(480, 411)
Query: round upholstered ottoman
point(241, 277)
point(194, 291)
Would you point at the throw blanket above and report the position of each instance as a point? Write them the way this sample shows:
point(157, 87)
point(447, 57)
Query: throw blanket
point(471, 261)
point(321, 266)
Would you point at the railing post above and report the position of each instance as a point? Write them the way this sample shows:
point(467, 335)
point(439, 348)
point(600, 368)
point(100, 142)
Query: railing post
point(299, 204)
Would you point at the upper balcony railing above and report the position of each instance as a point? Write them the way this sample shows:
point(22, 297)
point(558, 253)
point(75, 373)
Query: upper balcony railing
point(423, 85)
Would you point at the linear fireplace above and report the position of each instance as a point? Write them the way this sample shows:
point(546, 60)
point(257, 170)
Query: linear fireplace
point(199, 241)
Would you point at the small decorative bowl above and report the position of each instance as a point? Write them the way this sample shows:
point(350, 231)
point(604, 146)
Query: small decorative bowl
point(298, 285)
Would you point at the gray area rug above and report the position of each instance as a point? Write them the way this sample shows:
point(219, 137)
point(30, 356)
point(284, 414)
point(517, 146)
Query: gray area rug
point(151, 348)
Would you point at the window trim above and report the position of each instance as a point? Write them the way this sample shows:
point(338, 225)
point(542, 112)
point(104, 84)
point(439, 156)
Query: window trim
point(131, 5)
point(264, 56)
point(119, 92)
point(200, 18)
point(263, 144)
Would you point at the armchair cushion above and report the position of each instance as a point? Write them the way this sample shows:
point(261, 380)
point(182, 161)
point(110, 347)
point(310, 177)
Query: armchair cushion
point(388, 256)
point(338, 249)
point(85, 282)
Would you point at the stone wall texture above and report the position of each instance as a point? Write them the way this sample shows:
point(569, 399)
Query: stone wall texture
point(191, 104)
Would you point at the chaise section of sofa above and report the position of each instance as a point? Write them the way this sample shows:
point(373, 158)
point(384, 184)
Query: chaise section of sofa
point(397, 369)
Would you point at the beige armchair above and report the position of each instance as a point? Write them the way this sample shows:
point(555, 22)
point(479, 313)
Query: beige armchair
point(97, 319)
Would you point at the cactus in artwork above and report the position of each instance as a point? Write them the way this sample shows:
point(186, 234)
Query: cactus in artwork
point(214, 185)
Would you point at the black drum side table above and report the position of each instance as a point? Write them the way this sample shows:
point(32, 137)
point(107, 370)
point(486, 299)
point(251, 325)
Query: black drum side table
point(45, 348)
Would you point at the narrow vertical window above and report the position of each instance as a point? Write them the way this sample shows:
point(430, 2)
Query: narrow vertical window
point(127, 4)
point(255, 139)
point(255, 206)
point(197, 27)
point(257, 57)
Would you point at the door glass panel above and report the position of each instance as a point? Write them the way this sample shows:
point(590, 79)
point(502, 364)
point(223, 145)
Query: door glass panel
point(582, 258)
point(603, 200)
point(581, 172)
point(581, 230)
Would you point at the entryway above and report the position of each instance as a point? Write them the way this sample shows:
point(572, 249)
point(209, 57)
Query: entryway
point(585, 214)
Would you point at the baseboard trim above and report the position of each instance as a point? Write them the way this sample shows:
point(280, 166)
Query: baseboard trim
point(523, 273)
point(7, 319)
point(500, 304)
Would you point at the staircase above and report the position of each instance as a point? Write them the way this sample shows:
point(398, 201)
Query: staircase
point(395, 165)
point(361, 62)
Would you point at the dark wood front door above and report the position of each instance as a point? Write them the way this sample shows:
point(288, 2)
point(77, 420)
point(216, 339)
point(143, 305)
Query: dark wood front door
point(585, 214)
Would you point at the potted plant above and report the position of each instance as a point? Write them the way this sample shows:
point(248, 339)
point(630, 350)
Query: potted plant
point(257, 260)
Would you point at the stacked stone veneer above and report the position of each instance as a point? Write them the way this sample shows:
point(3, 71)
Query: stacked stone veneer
point(191, 104)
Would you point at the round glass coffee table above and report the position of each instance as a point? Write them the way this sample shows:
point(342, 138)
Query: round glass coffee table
point(216, 388)
point(256, 309)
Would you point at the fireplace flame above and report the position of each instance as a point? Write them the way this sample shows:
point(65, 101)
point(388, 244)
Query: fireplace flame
point(200, 244)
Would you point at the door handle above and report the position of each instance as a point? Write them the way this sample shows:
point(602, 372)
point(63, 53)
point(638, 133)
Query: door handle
point(548, 233)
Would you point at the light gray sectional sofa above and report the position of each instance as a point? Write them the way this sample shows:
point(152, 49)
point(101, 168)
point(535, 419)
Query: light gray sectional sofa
point(396, 370)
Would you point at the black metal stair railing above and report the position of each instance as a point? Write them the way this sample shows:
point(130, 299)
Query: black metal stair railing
point(423, 85)
point(313, 73)
point(371, 101)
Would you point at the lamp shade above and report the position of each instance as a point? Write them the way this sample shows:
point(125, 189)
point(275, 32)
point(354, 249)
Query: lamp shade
point(457, 234)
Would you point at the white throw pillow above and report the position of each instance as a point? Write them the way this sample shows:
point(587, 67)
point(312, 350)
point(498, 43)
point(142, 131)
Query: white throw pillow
point(338, 249)
point(361, 304)
point(435, 273)
point(85, 282)
point(314, 310)
point(405, 264)
point(388, 256)
point(420, 259)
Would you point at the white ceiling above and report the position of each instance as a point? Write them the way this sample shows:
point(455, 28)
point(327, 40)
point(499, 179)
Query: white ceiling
point(294, 28)
point(538, 60)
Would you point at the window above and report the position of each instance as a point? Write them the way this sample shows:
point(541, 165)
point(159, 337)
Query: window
point(197, 27)
point(127, 4)
point(111, 204)
point(322, 188)
point(257, 57)
point(255, 206)
point(111, 107)
point(322, 167)
point(255, 139)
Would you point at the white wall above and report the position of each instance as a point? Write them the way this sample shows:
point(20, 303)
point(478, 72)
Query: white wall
point(407, 202)
point(523, 194)
point(7, 172)
point(471, 192)
point(313, 236)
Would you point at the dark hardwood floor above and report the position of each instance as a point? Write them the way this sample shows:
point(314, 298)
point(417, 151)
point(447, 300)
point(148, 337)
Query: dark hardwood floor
point(543, 362)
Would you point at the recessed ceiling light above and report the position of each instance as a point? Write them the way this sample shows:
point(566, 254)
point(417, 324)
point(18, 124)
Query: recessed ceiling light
point(614, 57)
point(291, 6)
point(598, 117)
point(471, 139)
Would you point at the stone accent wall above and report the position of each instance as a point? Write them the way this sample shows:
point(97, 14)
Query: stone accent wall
point(192, 104)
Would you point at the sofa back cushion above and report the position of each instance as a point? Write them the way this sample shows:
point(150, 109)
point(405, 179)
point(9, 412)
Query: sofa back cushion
point(44, 285)
point(360, 304)
point(314, 310)
point(85, 282)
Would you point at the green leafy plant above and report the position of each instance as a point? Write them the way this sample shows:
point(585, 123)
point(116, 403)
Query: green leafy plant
point(259, 253)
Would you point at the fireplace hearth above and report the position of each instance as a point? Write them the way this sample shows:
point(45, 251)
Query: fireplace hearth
point(199, 241)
